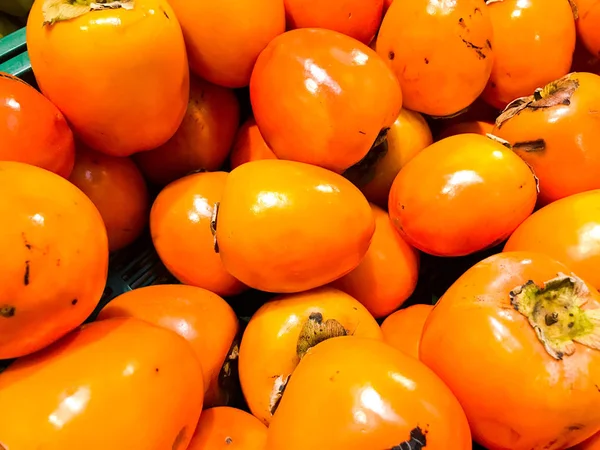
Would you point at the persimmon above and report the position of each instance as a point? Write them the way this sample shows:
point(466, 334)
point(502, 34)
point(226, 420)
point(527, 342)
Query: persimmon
point(386, 5)
point(224, 39)
point(588, 18)
point(534, 42)
point(322, 98)
point(283, 330)
point(402, 329)
point(388, 273)
point(204, 319)
point(119, 94)
point(202, 141)
point(592, 443)
point(33, 130)
point(123, 373)
point(477, 127)
point(284, 226)
point(354, 18)
point(568, 230)
point(180, 227)
point(529, 327)
point(228, 429)
point(441, 52)
point(407, 136)
point(54, 258)
point(554, 132)
point(461, 195)
point(115, 185)
point(249, 145)
point(354, 393)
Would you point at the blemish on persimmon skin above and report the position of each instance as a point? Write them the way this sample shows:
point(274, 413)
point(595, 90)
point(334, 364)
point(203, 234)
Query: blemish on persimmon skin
point(179, 439)
point(7, 311)
point(417, 441)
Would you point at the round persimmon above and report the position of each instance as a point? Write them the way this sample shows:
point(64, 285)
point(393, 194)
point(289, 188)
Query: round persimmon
point(284, 226)
point(249, 145)
point(123, 373)
point(202, 141)
point(224, 38)
point(592, 443)
point(33, 130)
point(354, 393)
point(94, 62)
point(354, 18)
point(402, 329)
point(588, 18)
point(54, 258)
point(461, 195)
point(568, 230)
point(555, 133)
point(441, 52)
point(283, 330)
point(530, 329)
point(204, 319)
point(477, 126)
point(180, 222)
point(322, 98)
point(388, 273)
point(115, 185)
point(407, 136)
point(386, 5)
point(225, 428)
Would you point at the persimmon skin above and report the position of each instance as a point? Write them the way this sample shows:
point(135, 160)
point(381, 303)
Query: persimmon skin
point(269, 344)
point(285, 226)
point(587, 25)
point(592, 443)
point(249, 145)
point(355, 18)
point(180, 229)
point(224, 39)
point(33, 130)
point(141, 366)
point(224, 428)
point(565, 230)
point(142, 98)
point(116, 187)
point(452, 199)
point(403, 328)
point(534, 42)
point(332, 391)
point(388, 273)
point(569, 161)
point(202, 318)
point(514, 393)
point(203, 139)
point(55, 258)
point(441, 52)
point(322, 98)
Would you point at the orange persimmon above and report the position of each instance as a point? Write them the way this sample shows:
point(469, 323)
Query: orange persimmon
point(592, 443)
point(588, 18)
point(249, 145)
point(402, 329)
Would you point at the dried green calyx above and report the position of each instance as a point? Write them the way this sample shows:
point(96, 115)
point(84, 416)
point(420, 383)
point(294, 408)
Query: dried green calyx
point(315, 330)
point(61, 10)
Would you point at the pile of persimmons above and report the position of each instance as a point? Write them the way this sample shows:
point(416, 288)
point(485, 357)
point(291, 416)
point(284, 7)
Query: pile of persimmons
point(330, 155)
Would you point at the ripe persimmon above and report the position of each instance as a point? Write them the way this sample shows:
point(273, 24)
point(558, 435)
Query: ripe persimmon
point(402, 329)
point(386, 5)
point(54, 258)
point(225, 428)
point(477, 127)
point(123, 373)
point(592, 443)
point(202, 141)
point(355, 18)
point(224, 39)
point(34, 131)
point(180, 227)
point(115, 185)
point(249, 145)
point(407, 136)
point(534, 42)
point(322, 98)
point(281, 332)
point(461, 195)
point(568, 230)
point(588, 18)
point(284, 226)
point(388, 273)
point(530, 328)
point(440, 51)
point(354, 393)
point(119, 94)
point(204, 319)
point(556, 132)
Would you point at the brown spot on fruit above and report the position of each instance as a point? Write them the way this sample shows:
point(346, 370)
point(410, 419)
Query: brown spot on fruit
point(179, 439)
point(7, 311)
point(228, 441)
point(26, 275)
point(391, 55)
point(417, 441)
point(478, 50)
point(537, 145)
point(279, 386)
